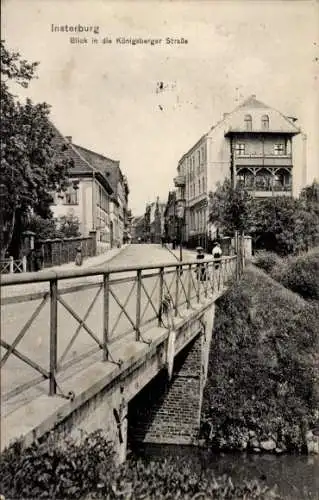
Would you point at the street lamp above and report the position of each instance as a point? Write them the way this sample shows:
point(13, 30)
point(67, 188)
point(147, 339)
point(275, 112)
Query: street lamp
point(180, 214)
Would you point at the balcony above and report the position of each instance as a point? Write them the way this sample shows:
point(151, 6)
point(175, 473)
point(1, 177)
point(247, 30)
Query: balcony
point(266, 189)
point(180, 181)
point(263, 160)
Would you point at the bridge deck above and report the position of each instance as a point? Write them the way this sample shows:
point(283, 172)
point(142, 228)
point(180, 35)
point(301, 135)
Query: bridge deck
point(68, 319)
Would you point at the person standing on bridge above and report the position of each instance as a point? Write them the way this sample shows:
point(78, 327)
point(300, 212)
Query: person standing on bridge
point(217, 254)
point(200, 268)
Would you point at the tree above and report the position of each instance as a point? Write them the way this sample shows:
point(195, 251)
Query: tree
point(311, 193)
point(231, 208)
point(68, 226)
point(285, 225)
point(30, 168)
point(42, 228)
point(281, 224)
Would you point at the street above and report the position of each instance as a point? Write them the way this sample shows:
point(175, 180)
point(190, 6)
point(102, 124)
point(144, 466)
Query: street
point(75, 342)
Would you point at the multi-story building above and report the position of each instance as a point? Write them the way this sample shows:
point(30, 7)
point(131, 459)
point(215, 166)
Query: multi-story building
point(119, 212)
point(88, 195)
point(137, 231)
point(170, 220)
point(252, 146)
point(154, 221)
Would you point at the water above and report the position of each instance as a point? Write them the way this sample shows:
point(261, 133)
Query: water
point(297, 476)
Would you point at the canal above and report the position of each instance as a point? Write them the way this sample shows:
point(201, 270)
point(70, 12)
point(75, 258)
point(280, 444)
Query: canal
point(296, 476)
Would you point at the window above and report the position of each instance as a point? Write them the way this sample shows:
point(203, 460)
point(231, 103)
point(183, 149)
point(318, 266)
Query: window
point(248, 122)
point(198, 186)
point(203, 184)
point(265, 122)
point(240, 149)
point(71, 195)
point(279, 149)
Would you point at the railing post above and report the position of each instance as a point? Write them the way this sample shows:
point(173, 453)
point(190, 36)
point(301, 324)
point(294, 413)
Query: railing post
point(11, 264)
point(161, 290)
point(53, 334)
point(206, 278)
point(189, 286)
point(106, 314)
point(198, 282)
point(24, 264)
point(138, 304)
point(177, 290)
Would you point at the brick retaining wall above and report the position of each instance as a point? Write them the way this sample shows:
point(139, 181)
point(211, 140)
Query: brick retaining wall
point(169, 412)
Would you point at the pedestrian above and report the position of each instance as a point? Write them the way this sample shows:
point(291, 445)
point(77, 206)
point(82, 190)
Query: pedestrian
point(217, 254)
point(78, 257)
point(200, 268)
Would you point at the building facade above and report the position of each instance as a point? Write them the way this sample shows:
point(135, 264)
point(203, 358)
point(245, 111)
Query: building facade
point(252, 146)
point(154, 221)
point(170, 220)
point(137, 229)
point(119, 212)
point(88, 195)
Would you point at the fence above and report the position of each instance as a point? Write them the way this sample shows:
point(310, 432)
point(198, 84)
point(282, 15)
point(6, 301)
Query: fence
point(57, 251)
point(127, 301)
point(13, 266)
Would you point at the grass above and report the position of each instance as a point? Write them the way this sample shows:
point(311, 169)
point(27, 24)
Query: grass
point(300, 274)
point(263, 372)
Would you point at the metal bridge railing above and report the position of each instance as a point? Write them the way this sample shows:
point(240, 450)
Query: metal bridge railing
point(90, 315)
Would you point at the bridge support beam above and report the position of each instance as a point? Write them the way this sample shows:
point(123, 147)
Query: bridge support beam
point(106, 412)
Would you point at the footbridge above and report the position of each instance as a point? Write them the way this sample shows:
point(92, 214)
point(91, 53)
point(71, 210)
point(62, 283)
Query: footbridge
point(123, 349)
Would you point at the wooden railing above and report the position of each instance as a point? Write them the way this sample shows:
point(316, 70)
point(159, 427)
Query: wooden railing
point(13, 266)
point(127, 300)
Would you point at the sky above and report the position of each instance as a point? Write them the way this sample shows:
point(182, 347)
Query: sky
point(104, 95)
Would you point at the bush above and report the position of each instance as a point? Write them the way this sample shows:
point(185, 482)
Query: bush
point(55, 469)
point(267, 260)
point(263, 379)
point(85, 471)
point(300, 274)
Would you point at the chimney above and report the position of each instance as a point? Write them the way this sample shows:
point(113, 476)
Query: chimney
point(253, 96)
point(69, 138)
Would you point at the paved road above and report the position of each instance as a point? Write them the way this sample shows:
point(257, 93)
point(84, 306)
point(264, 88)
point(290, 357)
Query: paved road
point(35, 343)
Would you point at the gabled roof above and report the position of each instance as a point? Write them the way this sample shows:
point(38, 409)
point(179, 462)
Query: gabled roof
point(108, 167)
point(235, 120)
point(80, 166)
point(252, 102)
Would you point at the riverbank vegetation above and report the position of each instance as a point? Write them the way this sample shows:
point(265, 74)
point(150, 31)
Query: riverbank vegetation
point(297, 273)
point(262, 387)
point(62, 470)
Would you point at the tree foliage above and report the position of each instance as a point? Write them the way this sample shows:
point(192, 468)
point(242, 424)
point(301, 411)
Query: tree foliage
point(30, 168)
point(66, 226)
point(230, 208)
point(281, 224)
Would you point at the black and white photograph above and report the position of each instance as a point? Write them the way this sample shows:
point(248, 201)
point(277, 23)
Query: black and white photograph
point(159, 239)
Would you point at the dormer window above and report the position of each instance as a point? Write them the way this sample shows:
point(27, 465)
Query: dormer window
point(248, 122)
point(265, 122)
